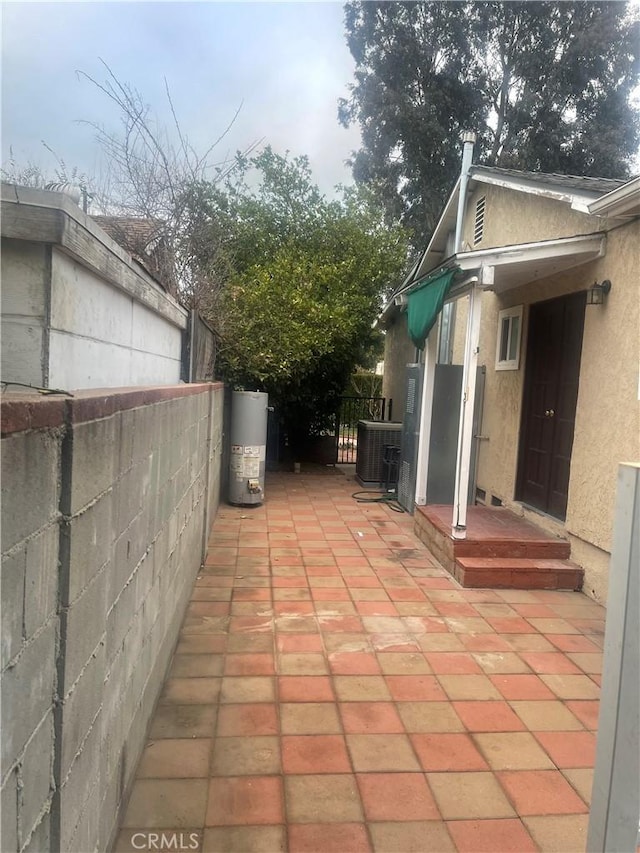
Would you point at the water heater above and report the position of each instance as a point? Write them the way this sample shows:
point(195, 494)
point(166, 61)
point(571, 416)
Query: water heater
point(249, 412)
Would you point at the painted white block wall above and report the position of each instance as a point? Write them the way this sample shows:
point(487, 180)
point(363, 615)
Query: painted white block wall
point(77, 311)
point(102, 338)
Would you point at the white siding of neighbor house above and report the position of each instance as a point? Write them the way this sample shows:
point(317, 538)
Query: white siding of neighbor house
point(101, 337)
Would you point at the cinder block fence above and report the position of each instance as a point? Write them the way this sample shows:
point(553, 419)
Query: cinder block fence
point(107, 500)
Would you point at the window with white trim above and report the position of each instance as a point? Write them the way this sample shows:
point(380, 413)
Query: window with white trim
point(509, 337)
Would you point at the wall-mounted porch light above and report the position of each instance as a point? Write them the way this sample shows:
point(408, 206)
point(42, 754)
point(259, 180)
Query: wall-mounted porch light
point(597, 292)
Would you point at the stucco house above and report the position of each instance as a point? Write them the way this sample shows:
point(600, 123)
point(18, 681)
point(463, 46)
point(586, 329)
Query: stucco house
point(523, 312)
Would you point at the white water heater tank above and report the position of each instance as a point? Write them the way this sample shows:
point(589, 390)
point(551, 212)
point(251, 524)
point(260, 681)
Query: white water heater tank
point(249, 412)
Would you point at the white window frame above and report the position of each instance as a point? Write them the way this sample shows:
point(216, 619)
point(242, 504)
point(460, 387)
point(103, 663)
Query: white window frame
point(509, 314)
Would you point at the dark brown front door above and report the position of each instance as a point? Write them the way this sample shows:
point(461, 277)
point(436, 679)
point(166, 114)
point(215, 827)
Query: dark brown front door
point(549, 406)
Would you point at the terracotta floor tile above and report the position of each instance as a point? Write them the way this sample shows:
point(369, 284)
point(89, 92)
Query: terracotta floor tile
point(347, 642)
point(183, 721)
point(411, 837)
point(488, 716)
point(553, 626)
point(573, 643)
point(528, 643)
point(395, 643)
point(381, 752)
point(468, 687)
point(190, 691)
point(328, 838)
point(540, 792)
point(353, 663)
point(501, 662)
point(160, 803)
point(171, 758)
point(361, 688)
point(342, 624)
point(549, 716)
point(315, 754)
point(581, 779)
point(246, 756)
point(293, 608)
point(572, 686)
point(550, 663)
point(509, 624)
point(376, 608)
point(485, 643)
point(305, 688)
point(250, 643)
point(410, 688)
point(585, 711)
point(469, 796)
point(308, 718)
point(321, 798)
point(522, 687)
point(563, 834)
point(591, 663)
point(370, 593)
point(399, 663)
point(247, 719)
point(249, 664)
point(245, 801)
point(255, 688)
point(291, 643)
point(441, 642)
point(513, 751)
point(308, 663)
point(429, 717)
point(569, 749)
point(370, 718)
point(449, 751)
point(383, 625)
point(452, 663)
point(491, 836)
point(244, 839)
point(396, 796)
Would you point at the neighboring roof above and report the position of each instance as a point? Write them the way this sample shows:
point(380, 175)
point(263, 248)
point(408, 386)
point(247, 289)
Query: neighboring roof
point(143, 239)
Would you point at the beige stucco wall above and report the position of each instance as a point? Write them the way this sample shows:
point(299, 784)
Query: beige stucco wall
point(513, 217)
point(607, 429)
point(398, 352)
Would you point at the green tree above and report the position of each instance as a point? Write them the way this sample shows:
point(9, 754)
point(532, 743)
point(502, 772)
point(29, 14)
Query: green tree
point(308, 277)
point(546, 86)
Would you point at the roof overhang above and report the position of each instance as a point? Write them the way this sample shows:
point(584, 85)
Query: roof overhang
point(507, 267)
point(623, 202)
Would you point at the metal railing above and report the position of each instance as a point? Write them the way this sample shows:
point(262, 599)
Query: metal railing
point(352, 410)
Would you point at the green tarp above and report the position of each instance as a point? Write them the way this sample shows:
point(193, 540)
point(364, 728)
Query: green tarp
point(425, 303)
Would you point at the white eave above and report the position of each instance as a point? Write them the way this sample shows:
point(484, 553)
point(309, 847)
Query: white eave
point(622, 202)
point(506, 267)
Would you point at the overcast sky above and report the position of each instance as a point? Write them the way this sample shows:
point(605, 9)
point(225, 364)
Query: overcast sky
point(287, 64)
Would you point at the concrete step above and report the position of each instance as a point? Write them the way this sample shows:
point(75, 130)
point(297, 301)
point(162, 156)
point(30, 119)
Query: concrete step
point(517, 573)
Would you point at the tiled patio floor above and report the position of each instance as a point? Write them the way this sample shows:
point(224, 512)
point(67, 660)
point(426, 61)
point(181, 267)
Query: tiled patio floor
point(335, 690)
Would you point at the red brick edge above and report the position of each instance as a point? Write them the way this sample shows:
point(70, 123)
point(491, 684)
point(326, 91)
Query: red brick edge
point(24, 412)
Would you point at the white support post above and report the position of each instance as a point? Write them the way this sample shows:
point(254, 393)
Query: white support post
point(615, 799)
point(426, 408)
point(465, 430)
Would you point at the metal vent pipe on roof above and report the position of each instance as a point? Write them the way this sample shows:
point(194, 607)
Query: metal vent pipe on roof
point(468, 141)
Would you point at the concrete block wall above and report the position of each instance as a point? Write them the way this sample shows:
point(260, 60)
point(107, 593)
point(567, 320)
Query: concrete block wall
point(106, 505)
